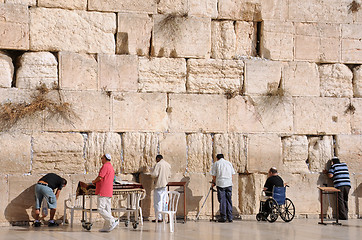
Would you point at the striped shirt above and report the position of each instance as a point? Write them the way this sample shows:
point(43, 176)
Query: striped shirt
point(340, 175)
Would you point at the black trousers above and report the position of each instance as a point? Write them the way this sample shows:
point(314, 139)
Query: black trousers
point(226, 205)
point(343, 202)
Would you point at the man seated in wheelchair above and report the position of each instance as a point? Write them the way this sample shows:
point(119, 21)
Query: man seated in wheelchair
point(273, 180)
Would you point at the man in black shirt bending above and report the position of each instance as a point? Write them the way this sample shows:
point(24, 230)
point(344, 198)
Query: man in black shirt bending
point(45, 189)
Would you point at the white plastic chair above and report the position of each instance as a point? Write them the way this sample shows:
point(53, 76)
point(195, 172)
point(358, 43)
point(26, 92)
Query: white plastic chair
point(171, 198)
point(73, 203)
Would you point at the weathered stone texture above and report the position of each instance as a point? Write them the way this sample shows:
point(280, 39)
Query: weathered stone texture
point(134, 34)
point(214, 76)
point(14, 26)
point(98, 144)
point(277, 40)
point(206, 8)
point(262, 76)
point(274, 9)
point(162, 75)
point(320, 151)
point(349, 149)
point(301, 79)
point(205, 113)
point(223, 39)
point(59, 152)
point(355, 109)
point(91, 112)
point(295, 154)
point(173, 148)
point(6, 71)
point(15, 153)
point(250, 189)
point(139, 151)
point(178, 36)
point(172, 7)
point(74, 31)
point(351, 43)
point(318, 10)
point(122, 5)
point(37, 68)
point(199, 152)
point(245, 38)
point(233, 146)
point(264, 152)
point(261, 114)
point(336, 80)
point(118, 72)
point(67, 4)
point(311, 116)
point(357, 81)
point(248, 10)
point(22, 2)
point(139, 112)
point(318, 42)
point(4, 196)
point(78, 71)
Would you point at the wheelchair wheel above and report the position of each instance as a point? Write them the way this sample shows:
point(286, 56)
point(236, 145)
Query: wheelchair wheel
point(287, 211)
point(273, 210)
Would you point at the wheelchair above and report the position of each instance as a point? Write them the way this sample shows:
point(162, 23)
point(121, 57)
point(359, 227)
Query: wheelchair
point(276, 205)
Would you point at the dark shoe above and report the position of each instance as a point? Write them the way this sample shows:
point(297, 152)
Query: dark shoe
point(230, 220)
point(221, 220)
point(156, 220)
point(53, 224)
point(37, 224)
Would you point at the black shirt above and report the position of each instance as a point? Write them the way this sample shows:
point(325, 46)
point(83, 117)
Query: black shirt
point(271, 182)
point(54, 181)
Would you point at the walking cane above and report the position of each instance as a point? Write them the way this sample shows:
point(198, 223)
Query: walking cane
point(212, 202)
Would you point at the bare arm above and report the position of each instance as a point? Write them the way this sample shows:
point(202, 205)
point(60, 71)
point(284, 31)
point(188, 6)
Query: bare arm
point(97, 180)
point(57, 194)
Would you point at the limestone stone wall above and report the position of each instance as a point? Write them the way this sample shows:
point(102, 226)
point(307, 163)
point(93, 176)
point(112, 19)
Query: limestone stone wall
point(266, 82)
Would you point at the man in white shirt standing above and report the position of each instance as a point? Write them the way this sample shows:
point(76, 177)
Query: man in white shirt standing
point(161, 172)
point(222, 172)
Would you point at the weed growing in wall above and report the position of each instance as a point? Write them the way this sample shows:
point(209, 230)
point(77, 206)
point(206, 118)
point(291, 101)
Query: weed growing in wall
point(354, 7)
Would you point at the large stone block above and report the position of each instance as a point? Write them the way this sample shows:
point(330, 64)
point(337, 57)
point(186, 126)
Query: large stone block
point(207, 8)
point(262, 76)
point(98, 144)
point(139, 151)
point(351, 43)
point(250, 189)
point(162, 75)
point(90, 111)
point(223, 39)
point(264, 152)
point(248, 10)
point(246, 38)
point(357, 81)
point(277, 40)
point(319, 42)
point(134, 34)
point(14, 26)
point(199, 152)
point(58, 152)
point(208, 115)
point(4, 196)
point(37, 68)
point(172, 6)
point(123, 5)
point(139, 112)
point(15, 153)
point(215, 76)
point(74, 31)
point(118, 72)
point(355, 109)
point(77, 71)
point(174, 150)
point(335, 80)
point(274, 9)
point(357, 194)
point(260, 114)
point(311, 116)
point(233, 146)
point(295, 154)
point(67, 4)
point(330, 11)
point(6, 71)
point(320, 151)
point(301, 79)
point(349, 149)
point(22, 2)
point(180, 36)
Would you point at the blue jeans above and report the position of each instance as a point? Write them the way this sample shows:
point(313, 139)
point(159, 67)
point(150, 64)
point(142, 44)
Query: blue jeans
point(226, 205)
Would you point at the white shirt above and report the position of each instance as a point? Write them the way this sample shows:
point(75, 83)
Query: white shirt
point(223, 171)
point(162, 172)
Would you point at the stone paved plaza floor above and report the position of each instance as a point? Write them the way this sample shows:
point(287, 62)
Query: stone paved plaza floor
point(242, 229)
